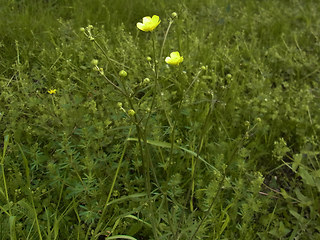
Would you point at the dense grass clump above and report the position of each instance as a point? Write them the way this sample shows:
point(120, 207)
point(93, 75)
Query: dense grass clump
point(102, 139)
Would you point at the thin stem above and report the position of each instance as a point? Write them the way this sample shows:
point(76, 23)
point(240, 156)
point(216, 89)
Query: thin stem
point(178, 108)
point(105, 54)
point(156, 85)
point(112, 186)
point(155, 61)
point(165, 38)
point(228, 163)
point(28, 184)
point(156, 66)
point(109, 81)
point(6, 143)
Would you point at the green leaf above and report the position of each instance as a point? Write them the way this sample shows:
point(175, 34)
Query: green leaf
point(121, 237)
point(168, 145)
point(284, 194)
point(283, 230)
point(304, 200)
point(5, 146)
point(124, 198)
point(300, 218)
point(316, 174)
point(12, 224)
point(26, 164)
point(306, 177)
point(297, 161)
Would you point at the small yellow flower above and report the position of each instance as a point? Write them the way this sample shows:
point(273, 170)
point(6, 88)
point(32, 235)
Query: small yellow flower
point(148, 23)
point(52, 91)
point(174, 59)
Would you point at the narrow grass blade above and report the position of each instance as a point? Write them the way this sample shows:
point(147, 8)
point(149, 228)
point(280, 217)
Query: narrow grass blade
point(121, 237)
point(12, 224)
point(168, 145)
point(132, 196)
point(27, 169)
point(5, 146)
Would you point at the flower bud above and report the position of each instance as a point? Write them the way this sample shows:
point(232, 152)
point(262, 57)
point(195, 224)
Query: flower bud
point(174, 15)
point(146, 80)
point(149, 59)
point(94, 62)
point(131, 112)
point(123, 73)
point(119, 104)
point(82, 29)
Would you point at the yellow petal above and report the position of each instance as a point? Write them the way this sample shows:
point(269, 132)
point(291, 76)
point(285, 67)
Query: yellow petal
point(175, 55)
point(168, 59)
point(140, 26)
point(155, 19)
point(146, 19)
point(171, 61)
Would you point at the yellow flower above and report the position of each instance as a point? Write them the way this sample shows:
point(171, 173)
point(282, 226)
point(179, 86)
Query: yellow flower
point(174, 59)
point(148, 23)
point(52, 91)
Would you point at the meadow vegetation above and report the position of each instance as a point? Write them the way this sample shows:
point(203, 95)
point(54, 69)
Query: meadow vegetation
point(100, 138)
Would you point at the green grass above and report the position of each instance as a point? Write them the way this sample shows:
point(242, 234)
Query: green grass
point(223, 146)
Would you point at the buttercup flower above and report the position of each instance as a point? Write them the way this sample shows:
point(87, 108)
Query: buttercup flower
point(52, 91)
point(174, 59)
point(148, 23)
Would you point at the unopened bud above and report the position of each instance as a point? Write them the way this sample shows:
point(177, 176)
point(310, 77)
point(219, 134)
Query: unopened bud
point(131, 112)
point(94, 62)
point(174, 15)
point(123, 73)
